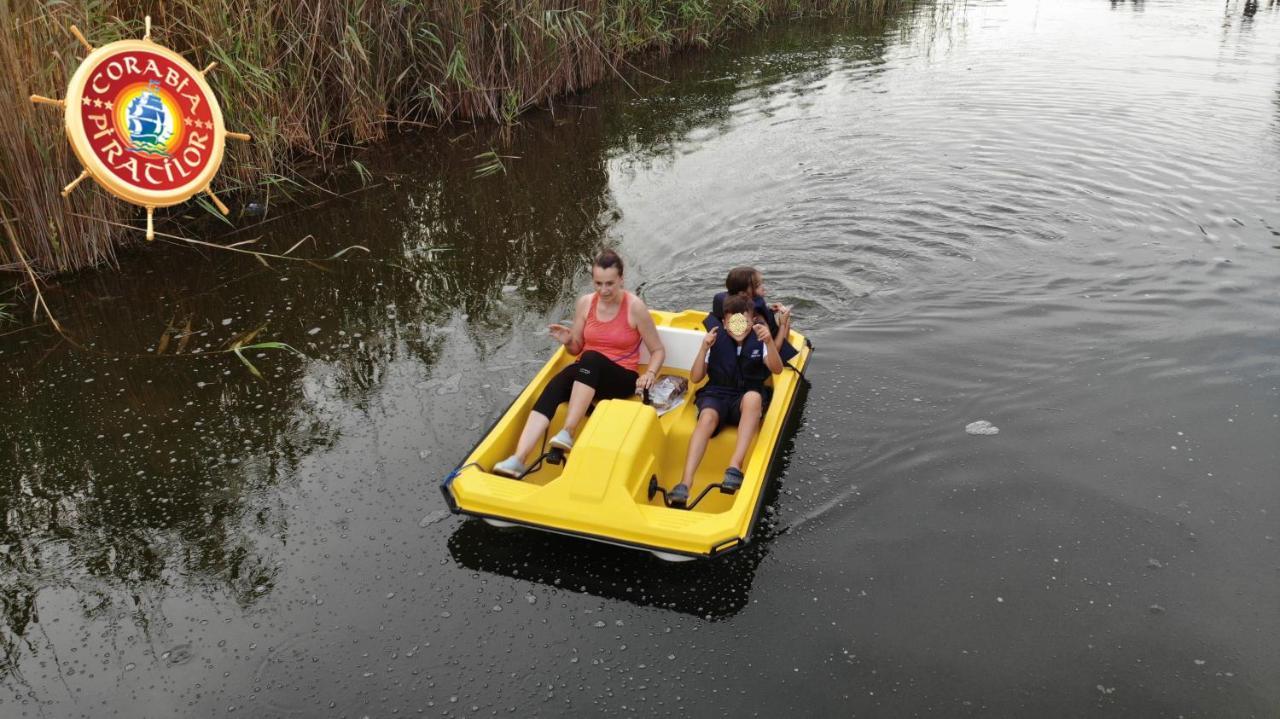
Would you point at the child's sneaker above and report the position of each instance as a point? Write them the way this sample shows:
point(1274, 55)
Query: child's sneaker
point(679, 495)
point(732, 481)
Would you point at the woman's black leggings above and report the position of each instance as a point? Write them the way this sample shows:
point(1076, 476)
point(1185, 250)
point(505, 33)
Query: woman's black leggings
point(609, 379)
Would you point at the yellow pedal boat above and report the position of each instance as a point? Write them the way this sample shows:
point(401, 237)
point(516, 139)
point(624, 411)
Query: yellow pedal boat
point(611, 486)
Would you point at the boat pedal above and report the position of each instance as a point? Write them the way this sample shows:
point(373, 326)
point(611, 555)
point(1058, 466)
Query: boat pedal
point(555, 456)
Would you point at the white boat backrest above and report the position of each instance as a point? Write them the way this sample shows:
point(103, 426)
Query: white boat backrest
point(682, 347)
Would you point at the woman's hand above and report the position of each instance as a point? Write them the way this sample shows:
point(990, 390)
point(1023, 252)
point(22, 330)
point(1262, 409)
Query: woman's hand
point(644, 381)
point(562, 334)
point(709, 339)
point(781, 312)
point(762, 333)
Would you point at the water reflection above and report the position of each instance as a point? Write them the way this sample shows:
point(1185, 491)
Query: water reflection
point(712, 590)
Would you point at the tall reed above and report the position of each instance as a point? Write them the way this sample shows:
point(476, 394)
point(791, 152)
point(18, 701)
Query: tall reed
point(306, 78)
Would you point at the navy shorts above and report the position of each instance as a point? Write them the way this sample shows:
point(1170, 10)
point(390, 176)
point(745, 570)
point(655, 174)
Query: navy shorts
point(728, 406)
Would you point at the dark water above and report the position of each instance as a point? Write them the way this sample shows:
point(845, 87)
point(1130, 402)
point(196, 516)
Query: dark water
point(1059, 217)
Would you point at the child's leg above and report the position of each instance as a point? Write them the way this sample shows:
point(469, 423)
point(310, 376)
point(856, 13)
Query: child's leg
point(748, 425)
point(707, 421)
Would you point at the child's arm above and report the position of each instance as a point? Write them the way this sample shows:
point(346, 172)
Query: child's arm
point(772, 360)
point(699, 369)
point(783, 315)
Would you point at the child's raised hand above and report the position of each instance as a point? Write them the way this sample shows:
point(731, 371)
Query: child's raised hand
point(762, 333)
point(709, 338)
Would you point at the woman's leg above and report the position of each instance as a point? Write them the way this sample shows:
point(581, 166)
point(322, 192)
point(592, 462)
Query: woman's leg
point(748, 425)
point(579, 403)
point(556, 393)
point(591, 368)
point(531, 435)
point(614, 381)
point(708, 418)
point(598, 378)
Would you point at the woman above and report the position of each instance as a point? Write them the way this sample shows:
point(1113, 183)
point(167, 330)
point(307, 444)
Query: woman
point(609, 326)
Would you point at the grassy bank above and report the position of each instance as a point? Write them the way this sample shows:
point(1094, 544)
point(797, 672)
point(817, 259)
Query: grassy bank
point(307, 78)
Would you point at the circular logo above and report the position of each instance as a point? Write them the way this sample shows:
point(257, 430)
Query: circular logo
point(144, 123)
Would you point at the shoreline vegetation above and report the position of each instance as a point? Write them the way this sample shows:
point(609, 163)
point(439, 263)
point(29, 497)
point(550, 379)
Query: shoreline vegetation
point(308, 79)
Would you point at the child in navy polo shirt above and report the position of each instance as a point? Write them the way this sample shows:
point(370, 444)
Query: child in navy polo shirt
point(738, 364)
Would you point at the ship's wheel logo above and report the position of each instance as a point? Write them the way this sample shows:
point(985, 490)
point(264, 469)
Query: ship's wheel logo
point(144, 123)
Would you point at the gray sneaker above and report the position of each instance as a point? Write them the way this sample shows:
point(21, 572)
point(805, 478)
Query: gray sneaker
point(563, 440)
point(509, 467)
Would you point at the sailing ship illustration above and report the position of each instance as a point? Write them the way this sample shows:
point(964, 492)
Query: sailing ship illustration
point(150, 123)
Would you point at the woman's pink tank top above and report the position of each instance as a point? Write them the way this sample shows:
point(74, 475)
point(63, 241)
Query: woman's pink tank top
point(615, 339)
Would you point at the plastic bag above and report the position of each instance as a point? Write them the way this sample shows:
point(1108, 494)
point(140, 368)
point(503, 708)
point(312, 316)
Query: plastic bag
point(667, 392)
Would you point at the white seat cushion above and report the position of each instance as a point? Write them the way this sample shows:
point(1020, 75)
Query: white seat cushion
point(682, 347)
